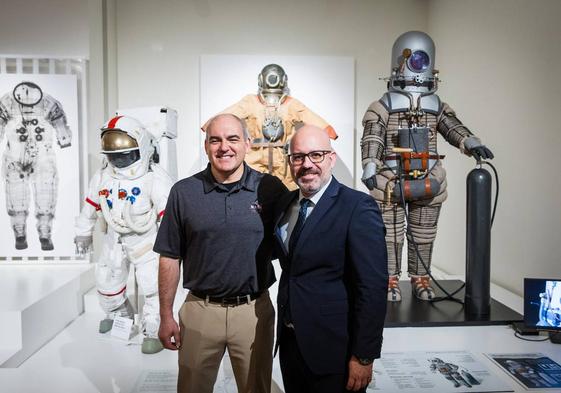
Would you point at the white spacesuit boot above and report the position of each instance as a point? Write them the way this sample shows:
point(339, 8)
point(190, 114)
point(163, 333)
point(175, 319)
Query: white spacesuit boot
point(150, 325)
point(125, 310)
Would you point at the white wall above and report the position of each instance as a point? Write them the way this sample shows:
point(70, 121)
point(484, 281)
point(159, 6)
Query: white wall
point(499, 63)
point(44, 27)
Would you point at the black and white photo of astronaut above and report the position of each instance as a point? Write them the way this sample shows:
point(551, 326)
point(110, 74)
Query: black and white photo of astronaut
point(40, 171)
point(457, 375)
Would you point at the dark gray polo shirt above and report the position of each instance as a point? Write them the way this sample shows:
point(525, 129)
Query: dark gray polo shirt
point(224, 238)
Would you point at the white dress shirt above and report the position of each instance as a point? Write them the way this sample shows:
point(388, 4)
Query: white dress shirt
point(288, 222)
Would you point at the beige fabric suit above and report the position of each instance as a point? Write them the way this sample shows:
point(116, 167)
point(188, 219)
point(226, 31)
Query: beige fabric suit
point(293, 114)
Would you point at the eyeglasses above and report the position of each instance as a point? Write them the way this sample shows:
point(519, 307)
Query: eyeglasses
point(315, 156)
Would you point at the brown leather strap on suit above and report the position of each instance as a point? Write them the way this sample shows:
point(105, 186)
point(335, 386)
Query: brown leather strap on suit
point(427, 187)
point(407, 157)
point(412, 155)
point(407, 190)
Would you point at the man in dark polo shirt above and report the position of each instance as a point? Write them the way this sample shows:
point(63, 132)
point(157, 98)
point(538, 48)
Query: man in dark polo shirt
point(218, 223)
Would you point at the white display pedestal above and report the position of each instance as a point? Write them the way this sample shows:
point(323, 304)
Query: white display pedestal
point(36, 303)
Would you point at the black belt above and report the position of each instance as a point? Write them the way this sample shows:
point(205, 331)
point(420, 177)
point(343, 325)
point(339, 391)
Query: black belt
point(228, 300)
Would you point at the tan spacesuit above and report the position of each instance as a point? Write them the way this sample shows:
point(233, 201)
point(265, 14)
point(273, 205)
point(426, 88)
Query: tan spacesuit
point(272, 118)
point(401, 165)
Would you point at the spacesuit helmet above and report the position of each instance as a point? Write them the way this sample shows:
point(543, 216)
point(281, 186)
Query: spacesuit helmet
point(128, 146)
point(272, 80)
point(412, 64)
point(27, 93)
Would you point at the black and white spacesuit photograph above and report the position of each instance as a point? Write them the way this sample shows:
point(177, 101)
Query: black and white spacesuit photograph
point(38, 139)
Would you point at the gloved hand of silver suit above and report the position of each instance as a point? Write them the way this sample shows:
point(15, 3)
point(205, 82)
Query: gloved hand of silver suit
point(369, 175)
point(83, 244)
point(478, 150)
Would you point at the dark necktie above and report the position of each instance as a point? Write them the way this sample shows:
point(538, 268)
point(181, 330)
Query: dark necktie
point(304, 203)
point(295, 235)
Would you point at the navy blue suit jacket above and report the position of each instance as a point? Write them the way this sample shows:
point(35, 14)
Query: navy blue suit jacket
point(336, 281)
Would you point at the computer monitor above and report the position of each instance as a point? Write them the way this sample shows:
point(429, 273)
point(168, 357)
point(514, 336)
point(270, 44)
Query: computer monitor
point(542, 303)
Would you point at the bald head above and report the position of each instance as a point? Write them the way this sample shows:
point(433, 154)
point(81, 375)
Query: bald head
point(311, 135)
point(311, 159)
point(222, 117)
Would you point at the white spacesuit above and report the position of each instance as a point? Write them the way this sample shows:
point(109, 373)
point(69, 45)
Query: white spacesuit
point(29, 119)
point(401, 165)
point(129, 194)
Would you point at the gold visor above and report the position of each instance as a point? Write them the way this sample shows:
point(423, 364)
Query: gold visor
point(117, 140)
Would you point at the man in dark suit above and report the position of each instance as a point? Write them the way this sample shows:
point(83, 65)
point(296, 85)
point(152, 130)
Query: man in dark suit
point(332, 292)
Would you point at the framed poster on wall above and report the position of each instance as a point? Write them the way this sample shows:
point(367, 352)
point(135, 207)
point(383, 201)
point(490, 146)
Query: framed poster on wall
point(40, 147)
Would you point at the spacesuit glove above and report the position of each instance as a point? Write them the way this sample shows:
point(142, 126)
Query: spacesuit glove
point(482, 152)
point(83, 244)
point(369, 175)
point(478, 150)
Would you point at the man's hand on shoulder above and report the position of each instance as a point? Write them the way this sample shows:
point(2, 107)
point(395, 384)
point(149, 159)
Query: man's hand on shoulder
point(169, 329)
point(359, 375)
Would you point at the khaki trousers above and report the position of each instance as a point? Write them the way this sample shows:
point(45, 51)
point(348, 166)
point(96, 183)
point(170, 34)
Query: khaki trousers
point(207, 330)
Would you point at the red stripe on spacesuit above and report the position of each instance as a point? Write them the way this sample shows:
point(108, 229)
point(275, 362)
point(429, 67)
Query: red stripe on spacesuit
point(97, 207)
point(113, 122)
point(160, 214)
point(113, 294)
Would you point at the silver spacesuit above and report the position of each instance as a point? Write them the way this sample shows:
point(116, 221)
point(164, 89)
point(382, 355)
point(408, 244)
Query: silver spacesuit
point(29, 119)
point(128, 194)
point(401, 165)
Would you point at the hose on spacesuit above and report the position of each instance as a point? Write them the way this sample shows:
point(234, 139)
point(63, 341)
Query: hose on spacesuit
point(139, 227)
point(448, 295)
point(127, 225)
point(119, 227)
